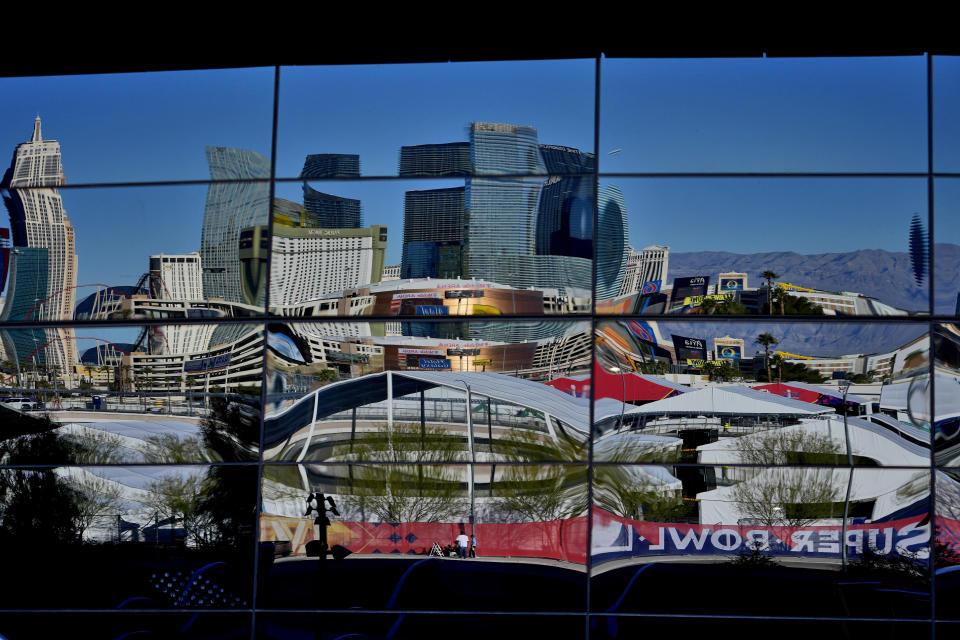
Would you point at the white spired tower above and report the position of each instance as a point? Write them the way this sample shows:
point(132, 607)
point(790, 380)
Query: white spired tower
point(38, 220)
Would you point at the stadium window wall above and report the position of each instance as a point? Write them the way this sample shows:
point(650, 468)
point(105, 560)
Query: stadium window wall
point(277, 365)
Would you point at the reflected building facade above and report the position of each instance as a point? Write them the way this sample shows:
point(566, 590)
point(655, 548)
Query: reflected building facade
point(38, 221)
point(230, 207)
point(433, 233)
point(450, 159)
point(330, 211)
point(331, 165)
point(502, 212)
point(646, 265)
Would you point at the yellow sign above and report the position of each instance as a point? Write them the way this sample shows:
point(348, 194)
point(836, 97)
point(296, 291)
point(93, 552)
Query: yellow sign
point(784, 354)
point(481, 363)
point(696, 301)
point(696, 362)
point(787, 285)
point(485, 310)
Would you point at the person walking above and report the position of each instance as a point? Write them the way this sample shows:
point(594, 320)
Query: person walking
point(473, 546)
point(462, 543)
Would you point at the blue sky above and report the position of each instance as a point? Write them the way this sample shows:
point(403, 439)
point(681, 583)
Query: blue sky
point(853, 114)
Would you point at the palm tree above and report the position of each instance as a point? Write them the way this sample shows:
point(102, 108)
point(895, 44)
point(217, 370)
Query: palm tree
point(770, 276)
point(767, 340)
point(777, 361)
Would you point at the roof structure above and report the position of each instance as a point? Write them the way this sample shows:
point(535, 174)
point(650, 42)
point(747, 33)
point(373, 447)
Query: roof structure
point(728, 400)
point(379, 387)
point(625, 387)
point(812, 393)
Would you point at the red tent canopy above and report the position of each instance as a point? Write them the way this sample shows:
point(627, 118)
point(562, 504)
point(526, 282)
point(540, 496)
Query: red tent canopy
point(789, 391)
point(627, 387)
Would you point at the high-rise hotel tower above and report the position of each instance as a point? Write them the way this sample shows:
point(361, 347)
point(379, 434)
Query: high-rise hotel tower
point(38, 221)
point(242, 202)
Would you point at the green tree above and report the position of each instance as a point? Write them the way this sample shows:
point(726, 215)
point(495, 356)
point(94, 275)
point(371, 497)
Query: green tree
point(95, 498)
point(797, 306)
point(168, 448)
point(766, 340)
point(419, 484)
point(770, 276)
point(731, 307)
point(177, 497)
point(789, 496)
point(787, 446)
point(722, 370)
point(793, 371)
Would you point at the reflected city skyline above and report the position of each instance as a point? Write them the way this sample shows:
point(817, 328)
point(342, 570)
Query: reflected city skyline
point(463, 334)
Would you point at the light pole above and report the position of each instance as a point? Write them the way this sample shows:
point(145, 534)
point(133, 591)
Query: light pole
point(473, 459)
point(846, 502)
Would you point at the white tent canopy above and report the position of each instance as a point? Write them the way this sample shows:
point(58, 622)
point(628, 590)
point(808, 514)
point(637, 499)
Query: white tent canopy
point(729, 400)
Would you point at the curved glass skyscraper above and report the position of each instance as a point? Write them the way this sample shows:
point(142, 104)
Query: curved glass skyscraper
point(231, 207)
point(502, 213)
point(613, 251)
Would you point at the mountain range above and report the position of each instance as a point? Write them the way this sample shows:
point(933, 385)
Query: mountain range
point(885, 275)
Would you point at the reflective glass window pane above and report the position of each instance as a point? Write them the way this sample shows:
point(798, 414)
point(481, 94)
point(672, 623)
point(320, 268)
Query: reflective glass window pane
point(160, 394)
point(427, 392)
point(771, 393)
point(946, 258)
point(436, 119)
point(122, 249)
point(134, 127)
point(491, 536)
point(763, 115)
point(946, 99)
point(468, 246)
point(169, 536)
point(746, 529)
point(847, 246)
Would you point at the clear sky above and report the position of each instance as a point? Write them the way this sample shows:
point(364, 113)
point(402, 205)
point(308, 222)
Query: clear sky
point(857, 114)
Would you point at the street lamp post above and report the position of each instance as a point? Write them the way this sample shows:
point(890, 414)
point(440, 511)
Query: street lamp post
point(846, 502)
point(473, 460)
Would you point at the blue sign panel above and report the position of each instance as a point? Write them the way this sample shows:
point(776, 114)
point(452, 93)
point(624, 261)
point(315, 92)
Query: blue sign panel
point(434, 363)
point(215, 362)
point(432, 310)
point(649, 287)
point(729, 351)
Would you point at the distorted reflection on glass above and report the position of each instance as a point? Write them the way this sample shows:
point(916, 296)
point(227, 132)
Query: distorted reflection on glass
point(157, 394)
point(171, 536)
point(460, 528)
point(710, 247)
point(362, 391)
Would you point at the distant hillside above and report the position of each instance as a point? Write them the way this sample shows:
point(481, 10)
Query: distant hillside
point(884, 275)
point(804, 339)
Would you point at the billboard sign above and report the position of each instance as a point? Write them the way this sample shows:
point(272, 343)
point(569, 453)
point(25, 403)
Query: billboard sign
point(463, 352)
point(422, 352)
point(731, 284)
point(432, 310)
point(650, 287)
point(689, 348)
point(434, 363)
point(689, 287)
point(464, 293)
point(730, 351)
point(696, 301)
point(206, 364)
point(641, 331)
